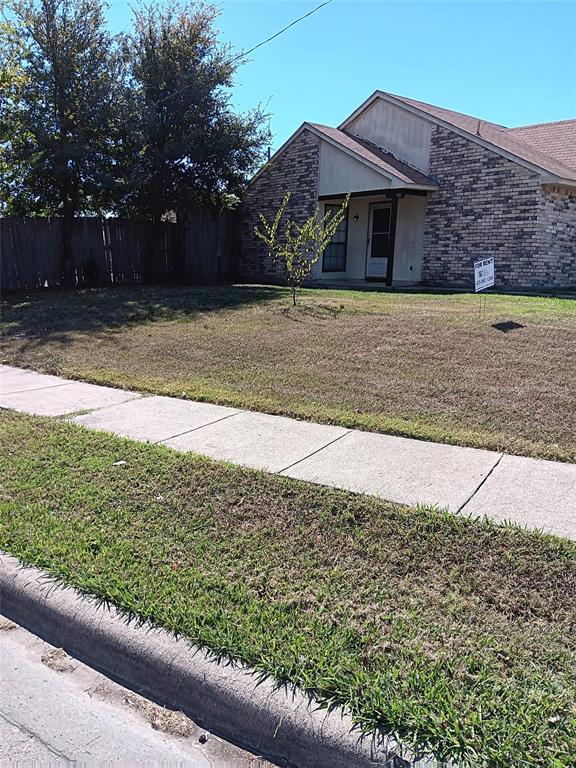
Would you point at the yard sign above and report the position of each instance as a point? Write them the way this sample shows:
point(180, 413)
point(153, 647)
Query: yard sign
point(483, 274)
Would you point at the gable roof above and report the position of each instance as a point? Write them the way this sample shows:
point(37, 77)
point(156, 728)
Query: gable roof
point(496, 137)
point(374, 155)
point(557, 139)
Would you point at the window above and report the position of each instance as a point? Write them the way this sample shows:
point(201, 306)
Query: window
point(334, 257)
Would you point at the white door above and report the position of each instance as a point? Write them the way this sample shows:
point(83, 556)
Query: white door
point(379, 240)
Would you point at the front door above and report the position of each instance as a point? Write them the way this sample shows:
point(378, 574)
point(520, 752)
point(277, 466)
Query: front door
point(380, 242)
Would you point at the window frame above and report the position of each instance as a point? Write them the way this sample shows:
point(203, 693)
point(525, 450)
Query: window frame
point(343, 244)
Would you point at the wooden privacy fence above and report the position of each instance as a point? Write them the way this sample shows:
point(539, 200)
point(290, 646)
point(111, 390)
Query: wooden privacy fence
point(202, 249)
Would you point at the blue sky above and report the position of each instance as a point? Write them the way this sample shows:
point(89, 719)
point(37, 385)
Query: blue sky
point(510, 62)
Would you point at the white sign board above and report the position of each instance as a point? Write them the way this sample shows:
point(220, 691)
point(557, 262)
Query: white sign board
point(483, 274)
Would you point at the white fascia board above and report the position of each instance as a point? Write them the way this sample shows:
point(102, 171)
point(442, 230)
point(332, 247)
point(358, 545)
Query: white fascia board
point(396, 181)
point(465, 134)
point(365, 104)
point(422, 187)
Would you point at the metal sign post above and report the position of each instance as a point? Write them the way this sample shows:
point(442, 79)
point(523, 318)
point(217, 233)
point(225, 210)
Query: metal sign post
point(483, 278)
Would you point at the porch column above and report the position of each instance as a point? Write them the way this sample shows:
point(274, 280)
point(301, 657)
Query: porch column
point(392, 242)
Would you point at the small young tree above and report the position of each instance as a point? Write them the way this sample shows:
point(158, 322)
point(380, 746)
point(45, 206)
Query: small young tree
point(296, 250)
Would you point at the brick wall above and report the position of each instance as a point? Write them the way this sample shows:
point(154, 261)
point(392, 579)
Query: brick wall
point(295, 170)
point(490, 206)
point(486, 205)
point(557, 222)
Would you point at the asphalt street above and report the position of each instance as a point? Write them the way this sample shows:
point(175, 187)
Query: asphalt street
point(56, 711)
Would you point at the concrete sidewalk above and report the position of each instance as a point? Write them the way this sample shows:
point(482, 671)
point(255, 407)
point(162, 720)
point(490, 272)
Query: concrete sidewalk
point(531, 492)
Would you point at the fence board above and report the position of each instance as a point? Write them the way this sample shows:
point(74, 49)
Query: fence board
point(201, 249)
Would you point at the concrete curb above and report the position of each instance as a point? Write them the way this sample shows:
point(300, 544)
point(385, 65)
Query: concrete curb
point(230, 700)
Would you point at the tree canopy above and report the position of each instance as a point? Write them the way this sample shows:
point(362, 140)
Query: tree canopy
point(190, 145)
point(138, 123)
point(58, 145)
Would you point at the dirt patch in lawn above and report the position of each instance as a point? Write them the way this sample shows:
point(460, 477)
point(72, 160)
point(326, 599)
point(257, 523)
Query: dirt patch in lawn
point(419, 365)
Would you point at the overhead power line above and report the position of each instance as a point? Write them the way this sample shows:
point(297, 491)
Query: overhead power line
point(259, 45)
point(281, 31)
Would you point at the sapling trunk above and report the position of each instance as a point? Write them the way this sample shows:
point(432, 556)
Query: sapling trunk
point(302, 245)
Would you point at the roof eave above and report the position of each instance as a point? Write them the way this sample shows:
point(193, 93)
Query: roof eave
point(551, 178)
point(396, 180)
point(358, 111)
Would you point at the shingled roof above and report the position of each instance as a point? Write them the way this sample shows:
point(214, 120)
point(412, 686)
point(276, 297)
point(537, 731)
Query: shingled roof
point(556, 139)
point(530, 143)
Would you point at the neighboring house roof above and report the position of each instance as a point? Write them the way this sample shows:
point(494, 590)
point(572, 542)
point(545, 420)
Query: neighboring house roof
point(557, 139)
point(505, 140)
point(376, 156)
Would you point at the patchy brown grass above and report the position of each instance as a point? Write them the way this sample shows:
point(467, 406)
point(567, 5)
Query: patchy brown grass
point(457, 635)
point(420, 365)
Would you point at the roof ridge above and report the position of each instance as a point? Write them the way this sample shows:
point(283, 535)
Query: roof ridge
point(539, 125)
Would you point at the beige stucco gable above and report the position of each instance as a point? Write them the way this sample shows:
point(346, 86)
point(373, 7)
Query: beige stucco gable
point(406, 135)
point(339, 173)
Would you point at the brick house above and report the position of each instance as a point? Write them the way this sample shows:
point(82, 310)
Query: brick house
point(432, 191)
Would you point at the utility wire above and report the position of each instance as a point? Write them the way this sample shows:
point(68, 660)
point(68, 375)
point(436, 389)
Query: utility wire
point(259, 45)
point(280, 32)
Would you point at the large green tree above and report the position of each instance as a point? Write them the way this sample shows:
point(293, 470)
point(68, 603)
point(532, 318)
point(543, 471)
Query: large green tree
point(187, 144)
point(12, 80)
point(66, 110)
point(139, 124)
point(59, 149)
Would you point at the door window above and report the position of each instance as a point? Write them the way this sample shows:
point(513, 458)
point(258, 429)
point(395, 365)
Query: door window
point(380, 237)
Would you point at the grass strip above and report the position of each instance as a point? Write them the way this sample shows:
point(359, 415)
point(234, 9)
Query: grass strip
point(456, 635)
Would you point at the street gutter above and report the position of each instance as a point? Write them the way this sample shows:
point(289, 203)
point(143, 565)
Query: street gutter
point(229, 699)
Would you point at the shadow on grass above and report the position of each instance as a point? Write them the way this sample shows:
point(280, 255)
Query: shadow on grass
point(507, 325)
point(55, 315)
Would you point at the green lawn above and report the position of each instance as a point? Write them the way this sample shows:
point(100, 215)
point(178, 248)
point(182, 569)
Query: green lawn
point(420, 365)
point(458, 635)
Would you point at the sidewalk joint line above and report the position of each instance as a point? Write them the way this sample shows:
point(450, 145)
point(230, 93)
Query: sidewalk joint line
point(474, 492)
point(195, 429)
point(88, 411)
point(36, 389)
point(314, 452)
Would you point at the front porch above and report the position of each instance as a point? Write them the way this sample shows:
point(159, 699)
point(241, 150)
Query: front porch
point(379, 243)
